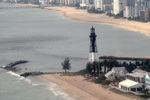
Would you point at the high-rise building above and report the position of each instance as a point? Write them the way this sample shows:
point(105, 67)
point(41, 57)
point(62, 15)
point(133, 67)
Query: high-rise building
point(118, 6)
point(99, 4)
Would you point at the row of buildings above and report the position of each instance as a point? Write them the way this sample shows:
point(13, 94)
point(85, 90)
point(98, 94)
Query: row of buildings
point(130, 82)
point(129, 8)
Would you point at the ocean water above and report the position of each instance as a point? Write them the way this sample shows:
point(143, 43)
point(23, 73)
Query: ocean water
point(45, 39)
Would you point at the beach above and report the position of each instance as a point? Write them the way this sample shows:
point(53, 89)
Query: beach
point(85, 89)
point(82, 15)
point(73, 13)
point(78, 85)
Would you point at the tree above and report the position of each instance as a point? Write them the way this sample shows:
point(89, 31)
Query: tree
point(89, 67)
point(66, 64)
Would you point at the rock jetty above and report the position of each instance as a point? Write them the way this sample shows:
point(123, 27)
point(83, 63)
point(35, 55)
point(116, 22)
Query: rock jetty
point(11, 66)
point(26, 74)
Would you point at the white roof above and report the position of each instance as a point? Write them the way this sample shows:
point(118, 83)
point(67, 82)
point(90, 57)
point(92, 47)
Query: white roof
point(108, 74)
point(118, 69)
point(138, 71)
point(129, 83)
point(136, 74)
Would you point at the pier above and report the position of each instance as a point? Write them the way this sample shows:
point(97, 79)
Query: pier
point(124, 58)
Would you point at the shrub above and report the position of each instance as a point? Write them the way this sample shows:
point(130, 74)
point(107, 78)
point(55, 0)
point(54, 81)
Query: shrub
point(105, 82)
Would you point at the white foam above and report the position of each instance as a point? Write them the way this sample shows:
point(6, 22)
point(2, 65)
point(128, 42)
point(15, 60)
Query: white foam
point(23, 79)
point(3, 66)
point(37, 84)
point(13, 74)
point(57, 91)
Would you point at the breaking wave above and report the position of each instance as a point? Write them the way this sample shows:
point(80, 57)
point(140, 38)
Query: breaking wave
point(57, 91)
point(54, 88)
point(23, 79)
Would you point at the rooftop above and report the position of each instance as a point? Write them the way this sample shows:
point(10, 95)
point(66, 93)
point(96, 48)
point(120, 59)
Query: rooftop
point(136, 74)
point(129, 83)
point(139, 71)
point(118, 69)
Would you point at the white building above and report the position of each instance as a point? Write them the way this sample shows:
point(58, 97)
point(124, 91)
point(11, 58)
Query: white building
point(103, 4)
point(134, 8)
point(118, 6)
point(130, 86)
point(137, 77)
point(129, 11)
point(97, 4)
point(119, 72)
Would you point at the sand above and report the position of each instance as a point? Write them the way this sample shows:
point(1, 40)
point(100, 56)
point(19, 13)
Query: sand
point(82, 15)
point(78, 85)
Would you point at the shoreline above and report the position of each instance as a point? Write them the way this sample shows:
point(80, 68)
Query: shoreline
point(83, 88)
point(72, 13)
point(81, 15)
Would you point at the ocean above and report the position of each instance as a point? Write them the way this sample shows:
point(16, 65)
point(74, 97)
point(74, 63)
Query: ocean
point(45, 39)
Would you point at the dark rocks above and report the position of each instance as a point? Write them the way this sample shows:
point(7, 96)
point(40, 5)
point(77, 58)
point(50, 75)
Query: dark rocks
point(11, 66)
point(31, 74)
point(26, 74)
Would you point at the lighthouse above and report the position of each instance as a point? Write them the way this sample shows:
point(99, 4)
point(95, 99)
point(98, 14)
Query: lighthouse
point(93, 54)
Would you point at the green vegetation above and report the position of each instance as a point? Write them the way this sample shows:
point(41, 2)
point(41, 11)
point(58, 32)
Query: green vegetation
point(96, 67)
point(81, 72)
point(102, 79)
point(93, 10)
point(77, 5)
point(138, 19)
point(115, 16)
point(66, 64)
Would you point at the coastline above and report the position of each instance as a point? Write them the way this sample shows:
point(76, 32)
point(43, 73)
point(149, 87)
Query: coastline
point(85, 89)
point(82, 15)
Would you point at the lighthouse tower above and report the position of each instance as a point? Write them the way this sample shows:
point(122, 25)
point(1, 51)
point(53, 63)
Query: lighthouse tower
point(93, 55)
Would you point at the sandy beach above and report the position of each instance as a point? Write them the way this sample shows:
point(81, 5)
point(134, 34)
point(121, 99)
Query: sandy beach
point(82, 15)
point(78, 85)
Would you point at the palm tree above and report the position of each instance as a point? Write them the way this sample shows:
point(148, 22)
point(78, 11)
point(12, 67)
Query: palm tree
point(66, 64)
